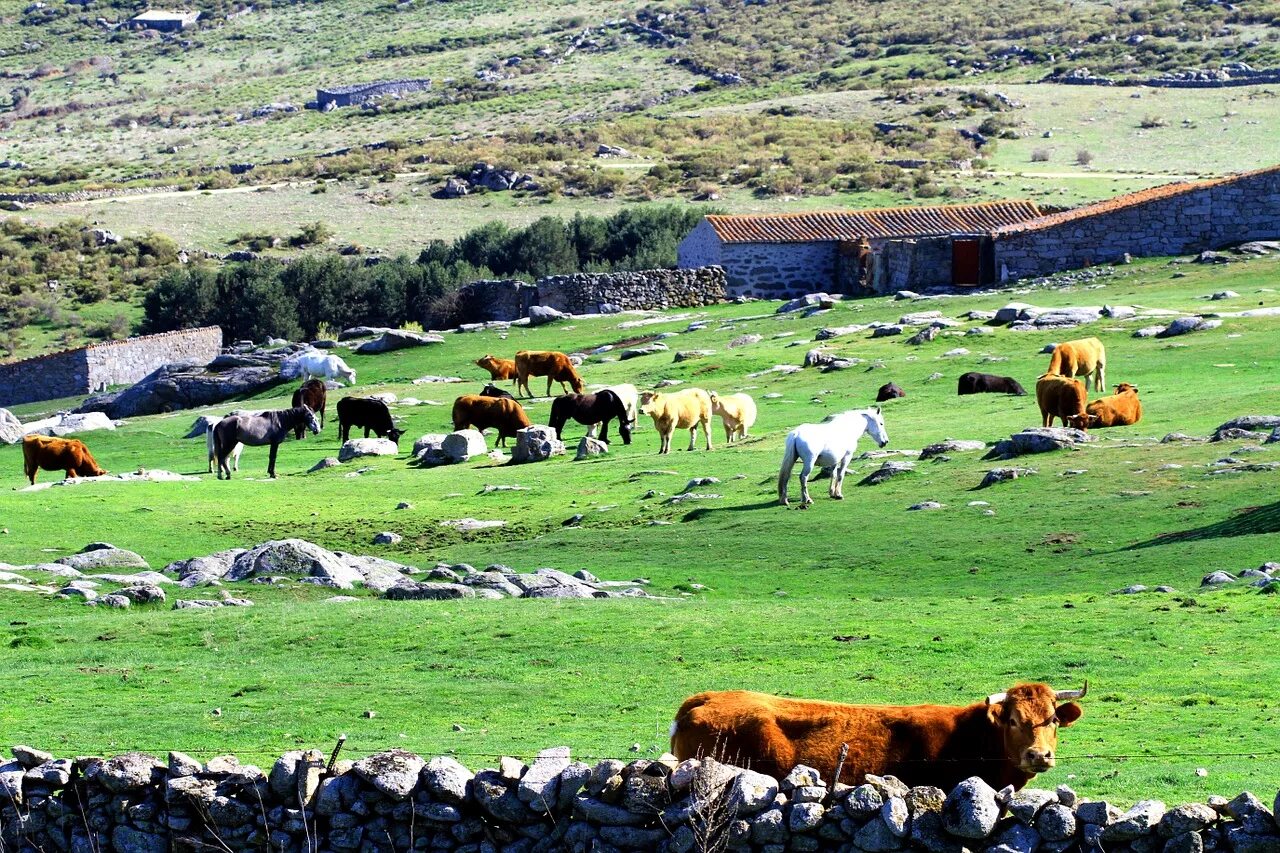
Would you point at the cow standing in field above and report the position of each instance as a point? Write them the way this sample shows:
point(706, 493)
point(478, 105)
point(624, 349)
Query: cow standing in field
point(1120, 409)
point(686, 409)
point(482, 413)
point(1085, 357)
point(589, 410)
point(58, 454)
point(988, 383)
point(556, 366)
point(369, 414)
point(499, 368)
point(737, 412)
point(1006, 739)
point(1060, 397)
point(313, 394)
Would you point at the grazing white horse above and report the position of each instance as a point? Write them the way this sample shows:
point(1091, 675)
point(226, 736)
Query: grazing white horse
point(318, 365)
point(830, 444)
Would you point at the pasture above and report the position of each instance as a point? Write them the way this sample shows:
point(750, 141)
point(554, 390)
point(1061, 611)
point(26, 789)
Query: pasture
point(859, 600)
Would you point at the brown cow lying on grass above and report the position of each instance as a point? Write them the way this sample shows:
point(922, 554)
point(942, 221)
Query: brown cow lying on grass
point(1006, 739)
point(1060, 397)
point(58, 454)
point(1120, 409)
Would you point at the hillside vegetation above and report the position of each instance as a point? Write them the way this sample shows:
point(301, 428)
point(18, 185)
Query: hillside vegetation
point(860, 600)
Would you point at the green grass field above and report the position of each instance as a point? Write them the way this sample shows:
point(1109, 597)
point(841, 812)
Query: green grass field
point(946, 606)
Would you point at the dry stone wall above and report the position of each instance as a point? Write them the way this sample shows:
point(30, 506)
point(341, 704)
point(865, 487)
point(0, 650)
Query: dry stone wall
point(591, 293)
point(1235, 212)
point(398, 801)
point(86, 370)
point(359, 93)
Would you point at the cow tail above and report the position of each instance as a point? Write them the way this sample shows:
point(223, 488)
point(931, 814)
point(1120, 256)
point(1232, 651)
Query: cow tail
point(789, 457)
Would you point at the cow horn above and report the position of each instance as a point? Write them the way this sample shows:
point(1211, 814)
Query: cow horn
point(1072, 694)
point(997, 698)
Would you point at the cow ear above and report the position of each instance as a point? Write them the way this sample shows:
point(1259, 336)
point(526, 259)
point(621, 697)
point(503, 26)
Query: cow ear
point(995, 708)
point(1069, 713)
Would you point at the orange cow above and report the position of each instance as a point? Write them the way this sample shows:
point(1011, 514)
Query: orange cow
point(1060, 397)
point(1120, 409)
point(499, 368)
point(1080, 358)
point(58, 454)
point(553, 365)
point(501, 413)
point(1006, 739)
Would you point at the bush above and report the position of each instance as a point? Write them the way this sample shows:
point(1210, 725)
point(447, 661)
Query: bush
point(1084, 157)
point(1039, 155)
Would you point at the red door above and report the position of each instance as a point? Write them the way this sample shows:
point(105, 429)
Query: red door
point(965, 262)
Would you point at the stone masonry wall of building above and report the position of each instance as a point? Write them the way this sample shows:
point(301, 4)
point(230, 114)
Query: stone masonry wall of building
point(590, 293)
point(1246, 209)
point(83, 371)
point(779, 270)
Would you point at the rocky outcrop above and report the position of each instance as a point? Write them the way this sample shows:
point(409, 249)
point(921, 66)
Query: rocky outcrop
point(184, 386)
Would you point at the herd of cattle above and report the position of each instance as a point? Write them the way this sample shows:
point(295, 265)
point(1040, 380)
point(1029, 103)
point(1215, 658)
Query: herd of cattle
point(1059, 394)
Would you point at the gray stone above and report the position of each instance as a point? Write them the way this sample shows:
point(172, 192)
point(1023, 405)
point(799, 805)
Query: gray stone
point(1136, 822)
point(294, 558)
point(143, 593)
point(447, 779)
point(536, 444)
point(387, 538)
point(539, 786)
point(109, 557)
point(1217, 578)
point(692, 354)
point(896, 816)
point(359, 447)
point(769, 827)
point(55, 772)
point(181, 764)
point(540, 315)
point(876, 837)
point(1098, 812)
point(29, 756)
point(461, 445)
point(744, 340)
point(127, 772)
point(886, 331)
point(1001, 475)
point(590, 447)
point(1188, 818)
point(10, 427)
point(1019, 838)
point(1026, 803)
point(887, 471)
point(1183, 325)
point(11, 773)
point(863, 801)
point(126, 839)
point(806, 817)
point(750, 792)
point(187, 386)
point(1187, 842)
point(1056, 822)
point(407, 589)
point(394, 772)
point(1038, 440)
point(119, 602)
point(431, 441)
point(1247, 842)
point(327, 462)
point(800, 776)
point(1253, 817)
point(970, 810)
point(394, 339)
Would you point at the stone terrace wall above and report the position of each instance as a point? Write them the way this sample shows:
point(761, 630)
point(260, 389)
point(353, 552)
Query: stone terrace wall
point(1235, 212)
point(585, 293)
point(397, 801)
point(358, 93)
point(83, 371)
point(47, 377)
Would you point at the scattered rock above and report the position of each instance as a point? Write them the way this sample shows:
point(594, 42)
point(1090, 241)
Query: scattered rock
point(388, 538)
point(1037, 440)
point(358, 447)
point(887, 471)
point(536, 444)
point(951, 445)
point(1000, 475)
point(100, 555)
point(590, 447)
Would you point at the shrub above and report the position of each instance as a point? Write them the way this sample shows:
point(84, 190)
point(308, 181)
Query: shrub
point(1039, 155)
point(1084, 157)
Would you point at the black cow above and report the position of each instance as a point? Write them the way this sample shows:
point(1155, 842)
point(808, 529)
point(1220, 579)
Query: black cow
point(889, 391)
point(986, 383)
point(587, 409)
point(492, 390)
point(368, 413)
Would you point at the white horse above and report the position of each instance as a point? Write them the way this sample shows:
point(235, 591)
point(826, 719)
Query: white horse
point(204, 426)
point(318, 365)
point(830, 444)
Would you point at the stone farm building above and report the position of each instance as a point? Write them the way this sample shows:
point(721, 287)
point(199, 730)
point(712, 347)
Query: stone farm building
point(967, 245)
point(166, 21)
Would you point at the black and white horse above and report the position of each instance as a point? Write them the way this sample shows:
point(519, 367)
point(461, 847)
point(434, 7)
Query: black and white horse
point(256, 430)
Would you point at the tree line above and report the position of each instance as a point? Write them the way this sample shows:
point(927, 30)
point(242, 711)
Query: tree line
point(322, 293)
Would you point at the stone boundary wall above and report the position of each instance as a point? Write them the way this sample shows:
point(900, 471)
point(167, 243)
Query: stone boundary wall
point(398, 801)
point(358, 93)
point(88, 369)
point(1208, 218)
point(1185, 80)
point(589, 293)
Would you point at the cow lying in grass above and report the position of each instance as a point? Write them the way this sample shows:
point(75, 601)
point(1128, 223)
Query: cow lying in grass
point(1120, 409)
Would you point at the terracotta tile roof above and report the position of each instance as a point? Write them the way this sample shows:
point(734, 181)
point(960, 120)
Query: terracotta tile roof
point(877, 223)
point(1121, 202)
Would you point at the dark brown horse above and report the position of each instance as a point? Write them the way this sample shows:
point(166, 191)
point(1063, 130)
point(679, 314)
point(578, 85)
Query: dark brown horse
point(588, 409)
point(312, 395)
point(256, 430)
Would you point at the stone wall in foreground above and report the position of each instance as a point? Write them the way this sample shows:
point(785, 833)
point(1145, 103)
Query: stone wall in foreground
point(397, 801)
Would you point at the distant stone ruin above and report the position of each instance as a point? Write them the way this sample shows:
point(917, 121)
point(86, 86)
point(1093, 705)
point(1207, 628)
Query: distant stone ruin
point(360, 93)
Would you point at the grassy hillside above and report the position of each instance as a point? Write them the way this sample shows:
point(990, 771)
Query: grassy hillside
point(946, 605)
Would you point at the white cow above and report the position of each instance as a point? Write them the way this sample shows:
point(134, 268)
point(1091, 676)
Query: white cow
point(204, 425)
point(318, 365)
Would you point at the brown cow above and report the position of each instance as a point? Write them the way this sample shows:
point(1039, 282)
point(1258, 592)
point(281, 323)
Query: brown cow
point(1080, 358)
point(58, 454)
point(314, 395)
point(1120, 409)
point(553, 365)
point(1060, 397)
point(507, 416)
point(1006, 739)
point(499, 368)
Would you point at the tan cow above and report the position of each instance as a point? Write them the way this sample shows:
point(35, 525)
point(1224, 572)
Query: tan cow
point(1060, 397)
point(1084, 357)
point(1120, 409)
point(737, 412)
point(684, 409)
point(499, 368)
point(556, 366)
